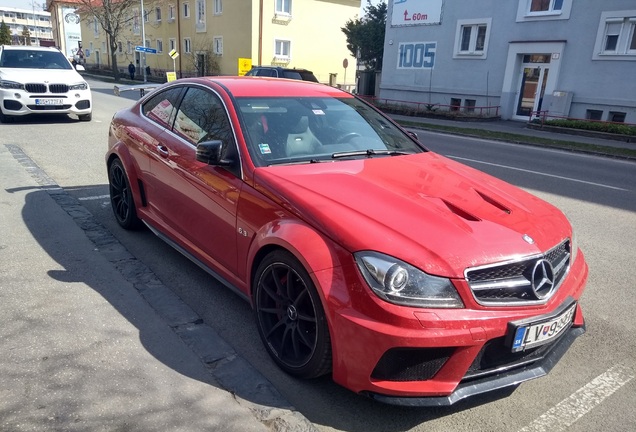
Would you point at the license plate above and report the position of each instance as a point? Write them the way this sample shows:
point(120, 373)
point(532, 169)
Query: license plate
point(49, 101)
point(539, 332)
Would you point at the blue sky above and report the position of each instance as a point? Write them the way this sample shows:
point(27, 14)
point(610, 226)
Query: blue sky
point(23, 4)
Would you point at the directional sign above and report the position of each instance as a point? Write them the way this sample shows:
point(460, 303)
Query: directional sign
point(146, 49)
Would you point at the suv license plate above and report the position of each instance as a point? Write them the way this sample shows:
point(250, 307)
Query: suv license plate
point(49, 101)
point(541, 332)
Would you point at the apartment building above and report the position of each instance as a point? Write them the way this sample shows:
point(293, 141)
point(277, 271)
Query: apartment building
point(38, 23)
point(570, 58)
point(224, 37)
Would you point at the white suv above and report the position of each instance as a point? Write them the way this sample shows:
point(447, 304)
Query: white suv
point(41, 80)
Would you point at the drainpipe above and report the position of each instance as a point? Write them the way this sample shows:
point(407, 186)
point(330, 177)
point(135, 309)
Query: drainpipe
point(179, 35)
point(260, 32)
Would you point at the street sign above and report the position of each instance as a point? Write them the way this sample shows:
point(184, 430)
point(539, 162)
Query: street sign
point(173, 54)
point(146, 49)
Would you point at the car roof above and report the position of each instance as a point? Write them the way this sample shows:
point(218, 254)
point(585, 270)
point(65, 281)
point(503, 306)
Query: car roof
point(249, 86)
point(28, 48)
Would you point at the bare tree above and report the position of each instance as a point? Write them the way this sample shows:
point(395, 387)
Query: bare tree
point(113, 16)
point(202, 59)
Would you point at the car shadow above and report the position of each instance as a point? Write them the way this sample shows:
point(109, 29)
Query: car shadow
point(320, 400)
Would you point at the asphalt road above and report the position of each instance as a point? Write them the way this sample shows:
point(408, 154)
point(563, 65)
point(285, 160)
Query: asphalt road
point(592, 388)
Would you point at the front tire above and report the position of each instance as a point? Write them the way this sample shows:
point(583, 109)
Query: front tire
point(290, 317)
point(121, 198)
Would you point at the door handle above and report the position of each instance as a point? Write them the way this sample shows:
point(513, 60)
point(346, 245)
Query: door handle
point(163, 150)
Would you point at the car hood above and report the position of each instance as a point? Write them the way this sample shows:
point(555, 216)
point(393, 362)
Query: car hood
point(430, 211)
point(65, 76)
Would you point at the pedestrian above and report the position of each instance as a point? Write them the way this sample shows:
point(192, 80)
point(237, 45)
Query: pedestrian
point(131, 70)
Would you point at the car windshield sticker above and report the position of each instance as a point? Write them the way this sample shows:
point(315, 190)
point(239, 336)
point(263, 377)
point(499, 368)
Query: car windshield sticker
point(264, 148)
point(318, 112)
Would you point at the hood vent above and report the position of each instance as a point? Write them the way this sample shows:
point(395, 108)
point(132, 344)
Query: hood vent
point(492, 202)
point(460, 212)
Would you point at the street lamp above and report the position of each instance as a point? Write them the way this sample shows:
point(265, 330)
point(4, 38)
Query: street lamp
point(143, 40)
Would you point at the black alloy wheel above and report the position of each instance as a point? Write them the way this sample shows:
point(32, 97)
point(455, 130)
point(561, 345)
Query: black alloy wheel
point(121, 198)
point(290, 317)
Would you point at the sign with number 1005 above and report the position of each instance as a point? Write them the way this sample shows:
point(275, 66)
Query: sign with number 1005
point(416, 55)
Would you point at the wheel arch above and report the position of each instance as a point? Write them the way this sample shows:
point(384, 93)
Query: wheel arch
point(121, 152)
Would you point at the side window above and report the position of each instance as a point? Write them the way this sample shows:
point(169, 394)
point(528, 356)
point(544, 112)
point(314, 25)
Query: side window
point(202, 117)
point(160, 107)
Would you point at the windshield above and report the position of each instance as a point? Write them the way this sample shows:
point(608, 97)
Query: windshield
point(33, 59)
point(295, 129)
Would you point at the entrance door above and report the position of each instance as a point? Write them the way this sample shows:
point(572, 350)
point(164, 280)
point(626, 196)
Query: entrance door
point(534, 76)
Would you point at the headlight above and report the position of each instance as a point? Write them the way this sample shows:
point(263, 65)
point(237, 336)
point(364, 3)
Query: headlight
point(11, 85)
point(398, 282)
point(81, 86)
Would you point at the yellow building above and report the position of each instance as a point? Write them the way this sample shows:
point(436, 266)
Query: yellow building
point(224, 36)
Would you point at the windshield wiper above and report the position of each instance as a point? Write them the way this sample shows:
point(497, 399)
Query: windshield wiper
point(369, 153)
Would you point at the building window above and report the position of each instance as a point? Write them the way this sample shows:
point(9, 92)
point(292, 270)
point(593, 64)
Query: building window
point(136, 26)
point(173, 44)
point(186, 10)
point(95, 27)
point(554, 6)
point(170, 13)
point(469, 105)
point(120, 48)
point(187, 45)
point(472, 38)
point(616, 36)
point(200, 11)
point(158, 14)
point(543, 10)
point(592, 114)
point(455, 104)
point(148, 43)
point(218, 7)
point(616, 117)
point(129, 47)
point(146, 15)
point(159, 45)
point(282, 49)
point(218, 45)
point(283, 7)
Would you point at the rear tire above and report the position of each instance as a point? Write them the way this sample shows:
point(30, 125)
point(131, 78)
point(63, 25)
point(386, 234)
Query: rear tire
point(121, 198)
point(290, 317)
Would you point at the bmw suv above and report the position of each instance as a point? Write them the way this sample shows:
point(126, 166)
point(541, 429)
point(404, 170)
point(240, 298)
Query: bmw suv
point(41, 80)
point(279, 72)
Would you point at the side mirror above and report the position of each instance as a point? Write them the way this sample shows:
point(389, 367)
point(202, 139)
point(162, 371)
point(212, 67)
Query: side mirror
point(210, 152)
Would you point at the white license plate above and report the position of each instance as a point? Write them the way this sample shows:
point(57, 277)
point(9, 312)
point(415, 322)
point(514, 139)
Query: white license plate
point(533, 334)
point(49, 101)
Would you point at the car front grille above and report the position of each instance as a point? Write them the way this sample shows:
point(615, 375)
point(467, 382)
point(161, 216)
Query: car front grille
point(531, 280)
point(43, 88)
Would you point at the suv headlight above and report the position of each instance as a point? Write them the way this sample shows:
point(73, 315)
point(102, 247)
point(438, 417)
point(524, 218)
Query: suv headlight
point(80, 86)
point(397, 282)
point(12, 85)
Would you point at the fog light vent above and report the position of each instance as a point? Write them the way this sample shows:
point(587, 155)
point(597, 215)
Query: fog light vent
point(411, 364)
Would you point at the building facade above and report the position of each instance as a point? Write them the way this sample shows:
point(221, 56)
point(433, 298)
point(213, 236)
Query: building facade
point(38, 23)
point(571, 58)
point(218, 36)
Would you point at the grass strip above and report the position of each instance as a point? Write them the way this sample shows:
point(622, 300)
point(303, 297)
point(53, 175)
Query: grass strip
point(525, 139)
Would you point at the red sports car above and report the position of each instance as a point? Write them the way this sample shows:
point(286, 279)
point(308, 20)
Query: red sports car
point(409, 277)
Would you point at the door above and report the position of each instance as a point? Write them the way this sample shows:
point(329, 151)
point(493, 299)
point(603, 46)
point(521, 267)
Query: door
point(532, 84)
point(197, 201)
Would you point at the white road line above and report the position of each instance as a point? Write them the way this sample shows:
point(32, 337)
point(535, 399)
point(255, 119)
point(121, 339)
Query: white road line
point(539, 173)
point(91, 198)
point(569, 410)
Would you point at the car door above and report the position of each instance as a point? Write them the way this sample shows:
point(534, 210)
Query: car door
point(198, 201)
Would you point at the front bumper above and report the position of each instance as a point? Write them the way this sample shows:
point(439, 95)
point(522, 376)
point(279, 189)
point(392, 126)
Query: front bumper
point(508, 379)
point(436, 357)
point(15, 102)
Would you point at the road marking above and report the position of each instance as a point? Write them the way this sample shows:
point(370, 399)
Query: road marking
point(539, 173)
point(569, 410)
point(90, 198)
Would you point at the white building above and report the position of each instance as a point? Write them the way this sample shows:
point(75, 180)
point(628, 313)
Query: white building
point(38, 23)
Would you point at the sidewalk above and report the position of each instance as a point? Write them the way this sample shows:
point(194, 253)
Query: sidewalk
point(513, 127)
point(85, 346)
